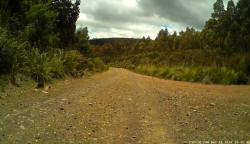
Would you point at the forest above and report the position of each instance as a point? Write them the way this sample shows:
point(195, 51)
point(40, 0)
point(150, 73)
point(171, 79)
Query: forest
point(39, 41)
point(219, 53)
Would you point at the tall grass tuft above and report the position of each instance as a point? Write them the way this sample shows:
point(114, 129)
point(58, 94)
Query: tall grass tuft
point(39, 66)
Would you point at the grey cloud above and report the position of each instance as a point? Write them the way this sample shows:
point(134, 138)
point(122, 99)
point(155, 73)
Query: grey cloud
point(112, 13)
point(106, 11)
point(105, 15)
point(189, 12)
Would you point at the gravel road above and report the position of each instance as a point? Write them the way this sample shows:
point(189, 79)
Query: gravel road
point(122, 107)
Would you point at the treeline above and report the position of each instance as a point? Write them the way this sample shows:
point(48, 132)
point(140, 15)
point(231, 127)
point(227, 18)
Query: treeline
point(220, 53)
point(38, 39)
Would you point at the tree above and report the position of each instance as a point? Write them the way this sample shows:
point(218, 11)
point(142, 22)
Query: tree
point(68, 13)
point(231, 10)
point(218, 9)
point(40, 31)
point(12, 13)
point(82, 42)
point(216, 27)
point(175, 41)
point(162, 35)
point(243, 18)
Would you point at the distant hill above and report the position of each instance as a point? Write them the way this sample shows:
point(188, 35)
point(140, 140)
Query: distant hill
point(103, 41)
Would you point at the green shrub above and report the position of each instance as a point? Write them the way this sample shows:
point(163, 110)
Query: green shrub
point(57, 63)
point(242, 78)
point(188, 75)
point(164, 72)
point(74, 63)
point(123, 64)
point(2, 84)
point(206, 75)
point(39, 66)
point(12, 55)
point(91, 65)
point(148, 70)
point(244, 64)
point(99, 65)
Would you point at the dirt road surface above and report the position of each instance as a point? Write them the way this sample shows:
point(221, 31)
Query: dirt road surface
point(122, 107)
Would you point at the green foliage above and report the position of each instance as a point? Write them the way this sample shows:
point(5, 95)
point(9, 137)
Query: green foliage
point(229, 28)
point(39, 66)
point(43, 22)
point(122, 64)
point(34, 29)
point(195, 74)
point(68, 13)
point(74, 63)
point(99, 65)
point(244, 64)
point(162, 35)
point(3, 83)
point(12, 55)
point(82, 42)
point(45, 66)
point(218, 9)
point(57, 63)
point(41, 28)
point(231, 10)
point(12, 13)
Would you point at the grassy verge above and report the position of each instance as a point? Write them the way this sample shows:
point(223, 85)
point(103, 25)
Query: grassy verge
point(42, 68)
point(208, 75)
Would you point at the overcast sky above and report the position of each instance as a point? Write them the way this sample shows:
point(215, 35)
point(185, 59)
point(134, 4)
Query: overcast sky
point(137, 18)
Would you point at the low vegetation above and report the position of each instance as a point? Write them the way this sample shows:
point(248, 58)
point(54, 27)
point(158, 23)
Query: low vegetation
point(208, 75)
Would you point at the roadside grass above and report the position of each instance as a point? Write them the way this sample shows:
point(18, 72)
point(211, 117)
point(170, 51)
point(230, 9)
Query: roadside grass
point(207, 75)
point(43, 68)
point(43, 65)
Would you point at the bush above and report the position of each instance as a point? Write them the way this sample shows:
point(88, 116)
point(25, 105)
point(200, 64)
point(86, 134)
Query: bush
point(244, 64)
point(3, 83)
point(99, 65)
point(91, 65)
point(149, 70)
point(45, 66)
point(39, 66)
point(123, 64)
point(57, 63)
point(12, 55)
point(206, 75)
point(74, 63)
